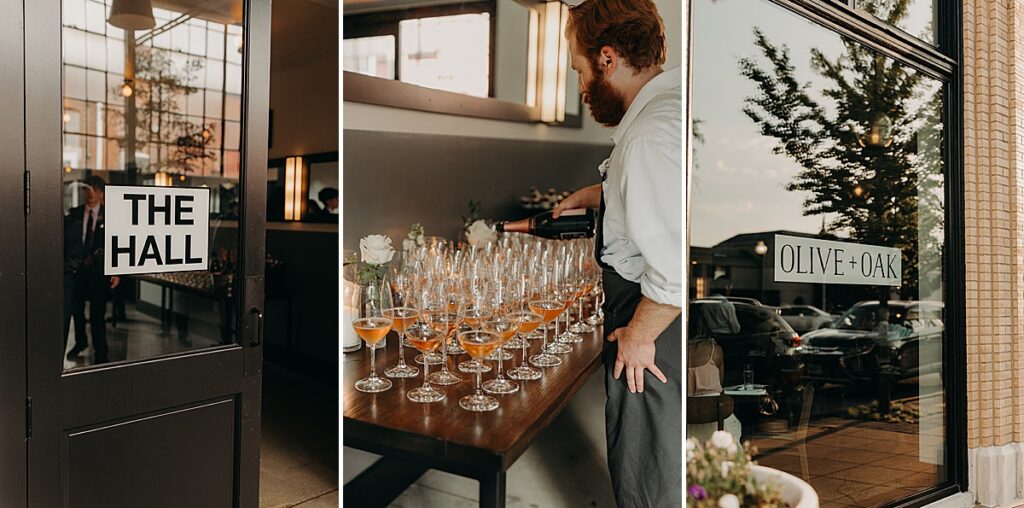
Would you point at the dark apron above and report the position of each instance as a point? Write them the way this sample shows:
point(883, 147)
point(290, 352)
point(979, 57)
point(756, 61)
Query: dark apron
point(644, 430)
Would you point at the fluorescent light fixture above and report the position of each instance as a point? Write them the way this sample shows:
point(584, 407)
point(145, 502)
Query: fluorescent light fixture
point(294, 187)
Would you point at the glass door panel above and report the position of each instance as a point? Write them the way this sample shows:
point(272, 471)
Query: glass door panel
point(153, 107)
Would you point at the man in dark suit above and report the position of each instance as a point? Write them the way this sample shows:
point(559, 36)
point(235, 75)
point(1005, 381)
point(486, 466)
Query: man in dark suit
point(85, 224)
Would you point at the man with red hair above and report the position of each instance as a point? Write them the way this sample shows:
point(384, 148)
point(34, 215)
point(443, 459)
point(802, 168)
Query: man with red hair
point(618, 49)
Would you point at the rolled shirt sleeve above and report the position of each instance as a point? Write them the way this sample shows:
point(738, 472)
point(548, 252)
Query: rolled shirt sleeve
point(651, 191)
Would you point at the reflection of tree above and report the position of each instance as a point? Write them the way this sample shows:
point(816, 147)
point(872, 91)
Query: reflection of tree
point(871, 187)
point(179, 145)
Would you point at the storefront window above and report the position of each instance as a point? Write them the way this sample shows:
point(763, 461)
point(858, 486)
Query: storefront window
point(916, 17)
point(817, 244)
point(160, 106)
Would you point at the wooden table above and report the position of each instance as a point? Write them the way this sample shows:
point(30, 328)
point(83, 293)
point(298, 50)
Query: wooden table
point(413, 437)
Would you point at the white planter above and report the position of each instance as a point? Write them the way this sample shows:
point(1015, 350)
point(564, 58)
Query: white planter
point(794, 491)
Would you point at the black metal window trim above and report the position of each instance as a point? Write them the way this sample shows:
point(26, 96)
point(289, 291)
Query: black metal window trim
point(941, 62)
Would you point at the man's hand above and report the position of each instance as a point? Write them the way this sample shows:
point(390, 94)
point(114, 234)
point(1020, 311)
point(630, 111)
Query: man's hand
point(636, 342)
point(114, 281)
point(587, 197)
point(636, 353)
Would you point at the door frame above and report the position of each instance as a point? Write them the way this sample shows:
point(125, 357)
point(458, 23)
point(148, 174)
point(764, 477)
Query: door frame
point(120, 391)
point(13, 447)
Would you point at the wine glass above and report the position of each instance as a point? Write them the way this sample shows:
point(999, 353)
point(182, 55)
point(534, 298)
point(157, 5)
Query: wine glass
point(505, 328)
point(402, 316)
point(589, 275)
point(479, 344)
point(517, 284)
point(528, 322)
point(443, 312)
point(571, 288)
point(372, 326)
point(549, 305)
point(478, 309)
point(534, 272)
point(425, 339)
point(597, 317)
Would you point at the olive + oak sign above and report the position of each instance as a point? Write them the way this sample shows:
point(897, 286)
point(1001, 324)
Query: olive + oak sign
point(156, 229)
point(799, 259)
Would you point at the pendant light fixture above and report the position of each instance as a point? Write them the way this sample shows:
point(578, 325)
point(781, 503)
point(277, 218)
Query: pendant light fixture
point(132, 14)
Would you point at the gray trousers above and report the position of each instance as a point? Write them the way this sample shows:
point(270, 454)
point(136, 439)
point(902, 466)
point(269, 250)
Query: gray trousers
point(644, 430)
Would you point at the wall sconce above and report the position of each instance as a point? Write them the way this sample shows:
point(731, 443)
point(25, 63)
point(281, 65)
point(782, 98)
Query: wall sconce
point(532, 57)
point(294, 188)
point(162, 179)
point(555, 62)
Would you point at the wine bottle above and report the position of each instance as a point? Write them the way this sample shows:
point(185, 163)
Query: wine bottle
point(577, 223)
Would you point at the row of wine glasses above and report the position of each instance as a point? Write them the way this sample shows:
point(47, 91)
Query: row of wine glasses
point(484, 302)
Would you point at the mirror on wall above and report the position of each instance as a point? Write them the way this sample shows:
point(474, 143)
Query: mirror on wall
point(503, 59)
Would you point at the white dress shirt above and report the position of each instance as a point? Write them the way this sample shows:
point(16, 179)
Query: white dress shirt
point(643, 192)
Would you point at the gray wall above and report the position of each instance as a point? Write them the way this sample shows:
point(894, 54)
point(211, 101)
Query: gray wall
point(392, 180)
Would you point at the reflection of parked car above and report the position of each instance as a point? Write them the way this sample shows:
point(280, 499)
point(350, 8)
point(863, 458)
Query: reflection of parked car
point(865, 343)
point(764, 341)
point(804, 318)
point(743, 299)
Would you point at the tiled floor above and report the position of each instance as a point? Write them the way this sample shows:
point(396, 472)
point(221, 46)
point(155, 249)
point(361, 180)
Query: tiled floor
point(565, 467)
point(299, 442)
point(855, 463)
point(141, 337)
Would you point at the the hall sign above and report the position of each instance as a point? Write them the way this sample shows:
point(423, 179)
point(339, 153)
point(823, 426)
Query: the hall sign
point(799, 259)
point(156, 229)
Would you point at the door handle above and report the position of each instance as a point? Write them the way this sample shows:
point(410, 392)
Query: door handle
point(259, 326)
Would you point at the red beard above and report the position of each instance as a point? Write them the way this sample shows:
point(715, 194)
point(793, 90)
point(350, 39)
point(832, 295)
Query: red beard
point(607, 105)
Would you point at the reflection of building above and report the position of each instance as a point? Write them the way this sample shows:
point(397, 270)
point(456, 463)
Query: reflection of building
point(743, 266)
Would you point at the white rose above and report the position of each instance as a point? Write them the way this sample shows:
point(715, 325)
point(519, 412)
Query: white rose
point(723, 440)
point(480, 234)
point(729, 501)
point(726, 467)
point(408, 244)
point(376, 249)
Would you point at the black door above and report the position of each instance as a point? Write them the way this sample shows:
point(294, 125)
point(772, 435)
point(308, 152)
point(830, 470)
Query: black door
point(12, 258)
point(143, 389)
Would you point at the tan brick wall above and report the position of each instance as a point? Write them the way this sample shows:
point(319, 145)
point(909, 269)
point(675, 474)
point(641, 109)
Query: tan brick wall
point(994, 193)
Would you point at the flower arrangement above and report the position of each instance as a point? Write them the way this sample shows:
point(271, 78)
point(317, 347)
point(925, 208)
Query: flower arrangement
point(375, 253)
point(414, 238)
point(479, 234)
point(718, 475)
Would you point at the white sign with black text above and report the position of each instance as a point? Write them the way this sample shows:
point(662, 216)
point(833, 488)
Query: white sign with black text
point(156, 229)
point(799, 259)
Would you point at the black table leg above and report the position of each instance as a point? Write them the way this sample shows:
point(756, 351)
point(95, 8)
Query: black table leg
point(492, 490)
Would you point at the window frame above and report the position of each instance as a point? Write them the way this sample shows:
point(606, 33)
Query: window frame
point(942, 62)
